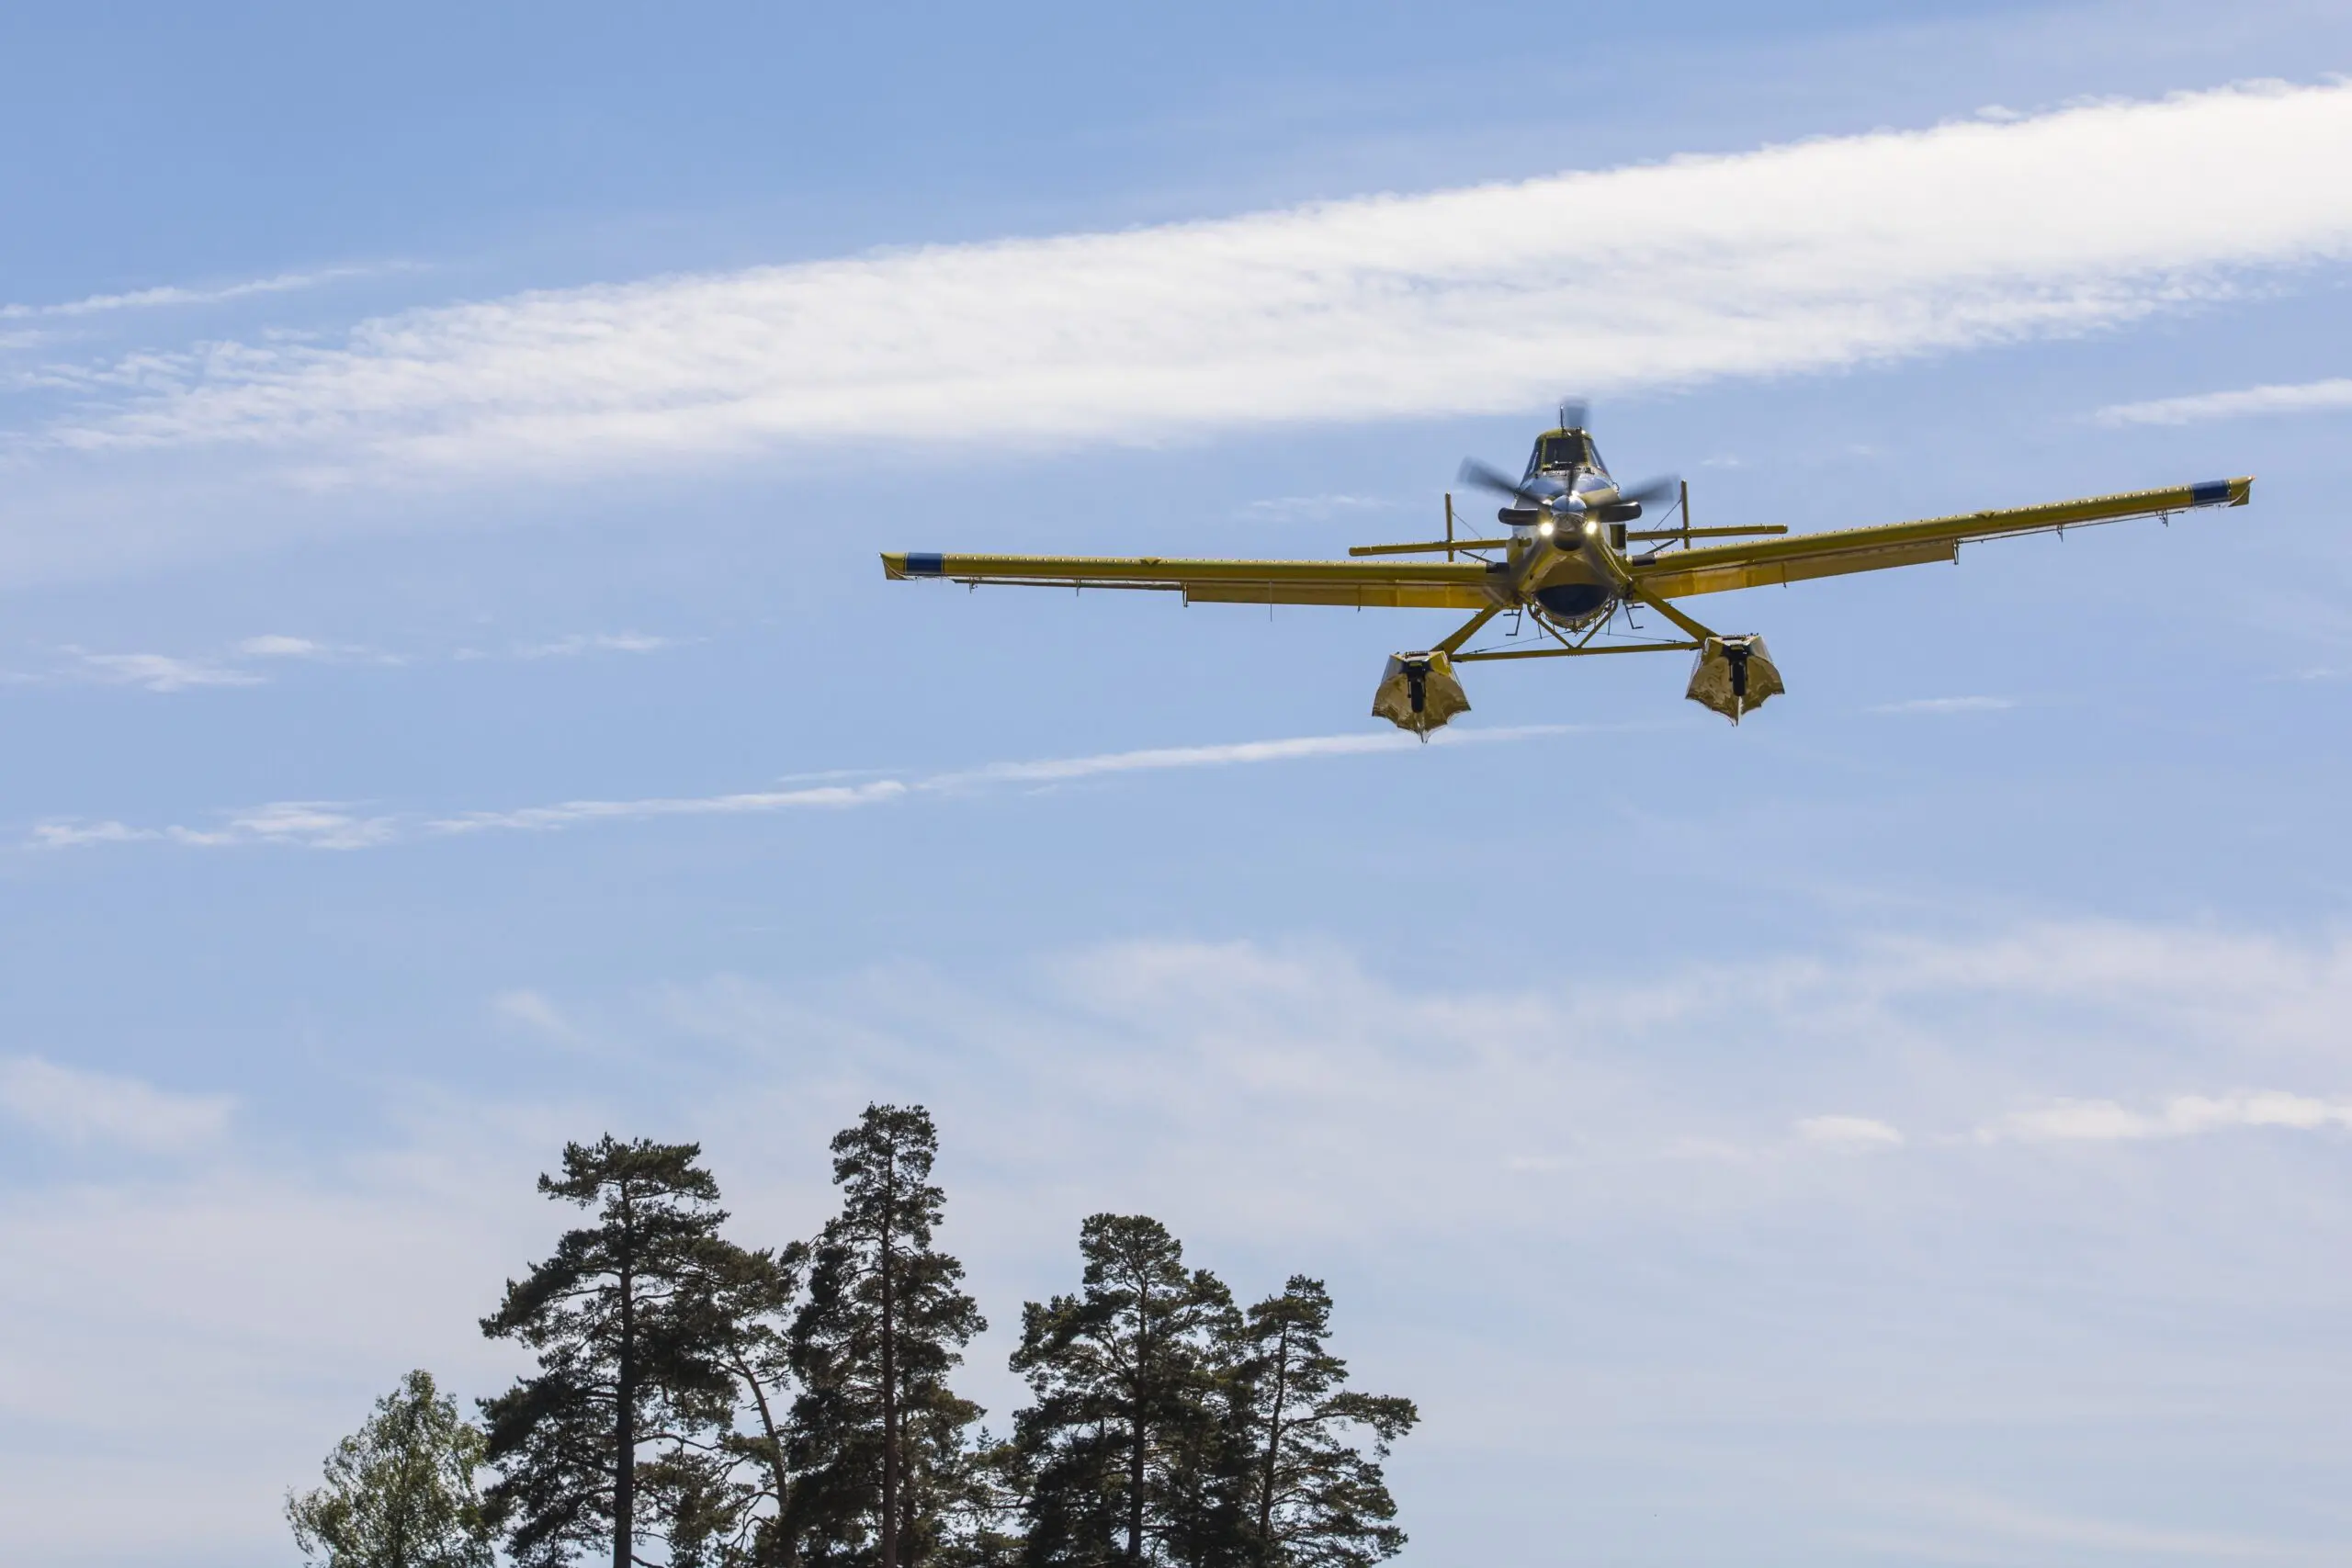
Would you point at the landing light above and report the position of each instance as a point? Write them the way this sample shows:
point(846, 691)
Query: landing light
point(1592, 525)
point(1545, 527)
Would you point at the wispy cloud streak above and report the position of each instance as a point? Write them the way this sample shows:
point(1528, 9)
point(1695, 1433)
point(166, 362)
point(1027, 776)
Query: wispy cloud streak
point(158, 672)
point(2182, 1116)
point(250, 660)
point(576, 812)
point(172, 295)
point(1804, 257)
point(337, 826)
point(2246, 403)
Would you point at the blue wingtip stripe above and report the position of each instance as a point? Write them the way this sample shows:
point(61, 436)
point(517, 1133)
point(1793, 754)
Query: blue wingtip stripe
point(2210, 492)
point(926, 563)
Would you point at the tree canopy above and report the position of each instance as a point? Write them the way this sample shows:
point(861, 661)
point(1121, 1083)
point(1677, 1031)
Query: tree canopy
point(1317, 1498)
point(599, 1441)
point(879, 1435)
point(694, 1402)
point(1123, 1440)
point(400, 1492)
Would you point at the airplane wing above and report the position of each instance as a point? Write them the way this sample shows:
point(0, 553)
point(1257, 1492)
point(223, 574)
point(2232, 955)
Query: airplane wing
point(1434, 585)
point(1793, 558)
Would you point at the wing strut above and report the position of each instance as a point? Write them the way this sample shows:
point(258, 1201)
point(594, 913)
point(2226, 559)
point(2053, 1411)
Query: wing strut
point(1468, 630)
point(1690, 628)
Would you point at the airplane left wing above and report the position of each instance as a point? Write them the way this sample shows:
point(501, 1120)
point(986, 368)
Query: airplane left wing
point(1433, 585)
point(1796, 556)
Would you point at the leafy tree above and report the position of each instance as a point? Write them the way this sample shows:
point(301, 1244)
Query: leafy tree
point(1317, 1499)
point(1127, 1447)
point(878, 1441)
point(630, 1336)
point(400, 1492)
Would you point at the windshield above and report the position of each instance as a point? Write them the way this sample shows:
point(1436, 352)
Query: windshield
point(1568, 451)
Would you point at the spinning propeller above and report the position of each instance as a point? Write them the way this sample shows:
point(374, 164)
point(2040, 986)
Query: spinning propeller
point(1544, 491)
point(1536, 489)
point(1548, 494)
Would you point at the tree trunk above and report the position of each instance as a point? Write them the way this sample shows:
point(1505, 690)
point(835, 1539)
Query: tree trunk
point(777, 1469)
point(625, 1415)
point(890, 1371)
point(625, 1453)
point(1273, 1453)
point(1142, 1401)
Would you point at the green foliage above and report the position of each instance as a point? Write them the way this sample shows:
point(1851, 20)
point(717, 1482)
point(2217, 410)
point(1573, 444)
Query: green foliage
point(400, 1492)
point(750, 1462)
point(1126, 1448)
point(877, 1436)
point(790, 1408)
point(630, 1334)
point(1317, 1499)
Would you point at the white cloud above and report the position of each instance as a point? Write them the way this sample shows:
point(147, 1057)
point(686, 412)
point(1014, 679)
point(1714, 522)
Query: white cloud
point(330, 825)
point(2184, 1115)
point(2307, 397)
point(1847, 1132)
point(276, 646)
point(74, 834)
point(311, 824)
point(172, 295)
point(1337, 1098)
point(205, 1339)
point(1601, 1155)
point(1232, 754)
point(160, 671)
point(1810, 256)
point(176, 673)
point(598, 642)
point(574, 813)
point(533, 1011)
point(77, 1106)
point(302, 824)
point(1948, 705)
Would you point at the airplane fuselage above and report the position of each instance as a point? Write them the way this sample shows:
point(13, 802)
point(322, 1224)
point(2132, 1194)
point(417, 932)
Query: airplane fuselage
point(1562, 560)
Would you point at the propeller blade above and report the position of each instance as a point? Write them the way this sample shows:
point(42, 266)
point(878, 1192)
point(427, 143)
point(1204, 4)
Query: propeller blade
point(1649, 490)
point(1576, 413)
point(1534, 492)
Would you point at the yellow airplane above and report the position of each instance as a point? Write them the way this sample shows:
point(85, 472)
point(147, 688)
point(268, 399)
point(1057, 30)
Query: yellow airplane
point(1569, 565)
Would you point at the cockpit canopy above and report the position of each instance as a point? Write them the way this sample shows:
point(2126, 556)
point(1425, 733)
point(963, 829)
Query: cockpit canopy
point(1558, 451)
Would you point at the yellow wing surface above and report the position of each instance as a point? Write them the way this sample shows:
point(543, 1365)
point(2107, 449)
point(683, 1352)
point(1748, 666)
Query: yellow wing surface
point(1482, 585)
point(1433, 585)
point(1796, 556)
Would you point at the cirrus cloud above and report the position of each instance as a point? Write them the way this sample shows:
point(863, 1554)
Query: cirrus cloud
point(2304, 397)
point(1804, 257)
point(2183, 1115)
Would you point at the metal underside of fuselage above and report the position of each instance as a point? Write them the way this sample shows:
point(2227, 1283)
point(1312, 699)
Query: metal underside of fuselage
point(1574, 603)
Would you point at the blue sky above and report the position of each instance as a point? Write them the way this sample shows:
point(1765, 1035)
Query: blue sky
point(455, 707)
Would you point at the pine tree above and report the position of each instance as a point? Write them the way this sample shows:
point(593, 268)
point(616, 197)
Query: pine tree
point(400, 1492)
point(1317, 1499)
point(630, 1336)
point(752, 1293)
point(877, 1444)
point(1127, 1446)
